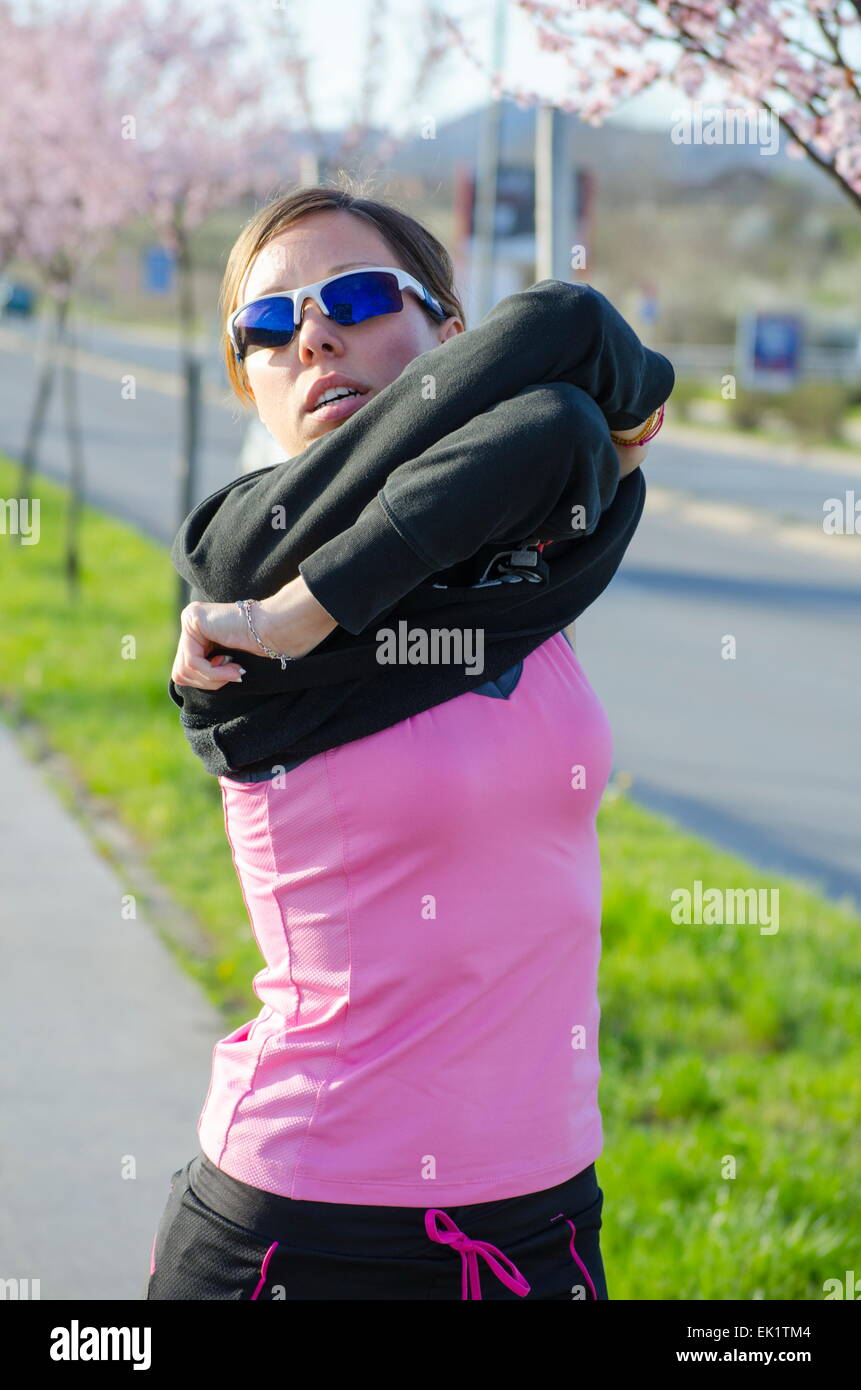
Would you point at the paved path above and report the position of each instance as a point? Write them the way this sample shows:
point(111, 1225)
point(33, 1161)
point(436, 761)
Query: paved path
point(106, 1049)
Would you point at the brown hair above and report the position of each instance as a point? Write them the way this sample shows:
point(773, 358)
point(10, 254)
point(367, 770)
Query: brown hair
point(413, 246)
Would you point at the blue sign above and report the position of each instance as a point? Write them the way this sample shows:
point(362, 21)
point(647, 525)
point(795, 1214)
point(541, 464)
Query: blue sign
point(770, 346)
point(648, 306)
point(158, 267)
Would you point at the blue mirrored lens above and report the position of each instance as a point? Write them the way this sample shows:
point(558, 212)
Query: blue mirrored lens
point(352, 298)
point(266, 323)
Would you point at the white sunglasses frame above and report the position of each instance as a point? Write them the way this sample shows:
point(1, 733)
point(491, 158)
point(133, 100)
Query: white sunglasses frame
point(299, 295)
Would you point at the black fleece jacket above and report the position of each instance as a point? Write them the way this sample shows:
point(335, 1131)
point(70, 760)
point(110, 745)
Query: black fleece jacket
point(494, 440)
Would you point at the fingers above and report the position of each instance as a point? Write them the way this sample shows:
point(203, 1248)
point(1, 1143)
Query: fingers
point(201, 681)
point(206, 675)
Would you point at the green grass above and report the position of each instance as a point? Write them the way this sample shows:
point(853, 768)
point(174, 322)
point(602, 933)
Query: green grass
point(723, 1050)
point(721, 1046)
point(813, 414)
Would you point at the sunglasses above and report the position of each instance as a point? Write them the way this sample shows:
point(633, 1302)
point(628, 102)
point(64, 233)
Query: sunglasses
point(271, 321)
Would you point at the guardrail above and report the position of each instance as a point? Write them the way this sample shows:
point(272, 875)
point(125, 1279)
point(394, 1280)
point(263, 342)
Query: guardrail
point(703, 360)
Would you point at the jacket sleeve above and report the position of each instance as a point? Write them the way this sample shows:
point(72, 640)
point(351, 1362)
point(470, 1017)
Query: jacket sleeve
point(406, 485)
point(545, 452)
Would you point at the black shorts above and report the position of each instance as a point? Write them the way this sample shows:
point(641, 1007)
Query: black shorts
point(220, 1238)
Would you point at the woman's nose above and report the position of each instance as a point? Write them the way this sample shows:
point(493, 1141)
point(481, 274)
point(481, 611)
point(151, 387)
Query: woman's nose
point(315, 328)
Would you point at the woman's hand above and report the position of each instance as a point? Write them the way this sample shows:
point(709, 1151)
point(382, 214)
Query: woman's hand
point(291, 621)
point(204, 626)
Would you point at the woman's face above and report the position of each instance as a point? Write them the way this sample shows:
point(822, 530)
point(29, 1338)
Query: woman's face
point(371, 354)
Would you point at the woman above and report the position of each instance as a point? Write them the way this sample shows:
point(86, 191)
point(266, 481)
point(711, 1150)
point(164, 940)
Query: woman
point(419, 1089)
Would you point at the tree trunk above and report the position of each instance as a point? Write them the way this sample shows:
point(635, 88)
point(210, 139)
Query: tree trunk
point(191, 368)
point(39, 413)
point(76, 460)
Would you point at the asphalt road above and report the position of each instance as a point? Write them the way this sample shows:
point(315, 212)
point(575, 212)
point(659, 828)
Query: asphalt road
point(759, 754)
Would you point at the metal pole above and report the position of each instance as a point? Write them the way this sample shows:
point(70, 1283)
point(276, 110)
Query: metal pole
point(554, 224)
point(189, 458)
point(543, 191)
point(485, 201)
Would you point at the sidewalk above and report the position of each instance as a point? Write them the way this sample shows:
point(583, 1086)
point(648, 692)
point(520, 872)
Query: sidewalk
point(107, 1047)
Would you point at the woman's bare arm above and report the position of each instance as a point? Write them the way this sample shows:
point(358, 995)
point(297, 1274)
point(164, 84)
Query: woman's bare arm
point(631, 457)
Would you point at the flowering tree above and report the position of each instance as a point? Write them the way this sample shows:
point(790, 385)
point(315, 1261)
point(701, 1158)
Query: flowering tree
point(57, 134)
point(110, 113)
point(788, 57)
point(202, 134)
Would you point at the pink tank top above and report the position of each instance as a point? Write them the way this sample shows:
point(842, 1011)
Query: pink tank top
point(428, 904)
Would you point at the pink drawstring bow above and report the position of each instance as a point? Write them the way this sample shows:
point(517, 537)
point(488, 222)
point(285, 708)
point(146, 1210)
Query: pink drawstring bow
point(469, 1251)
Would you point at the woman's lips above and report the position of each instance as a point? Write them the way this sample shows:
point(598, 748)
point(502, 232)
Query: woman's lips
point(340, 409)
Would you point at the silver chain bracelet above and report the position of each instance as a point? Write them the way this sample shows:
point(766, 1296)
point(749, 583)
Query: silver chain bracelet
point(245, 605)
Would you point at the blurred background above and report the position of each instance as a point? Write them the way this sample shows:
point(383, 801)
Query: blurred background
point(702, 168)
